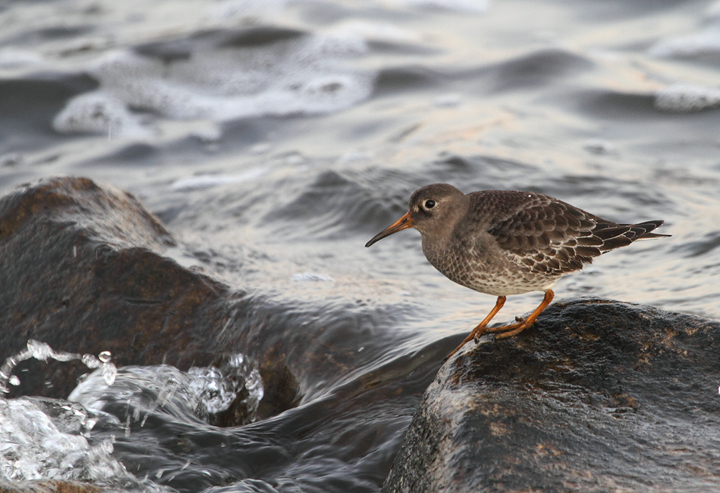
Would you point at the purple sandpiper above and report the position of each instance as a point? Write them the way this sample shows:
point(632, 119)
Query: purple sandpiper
point(509, 242)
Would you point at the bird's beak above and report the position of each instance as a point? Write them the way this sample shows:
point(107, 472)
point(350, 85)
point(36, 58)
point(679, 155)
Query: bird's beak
point(403, 223)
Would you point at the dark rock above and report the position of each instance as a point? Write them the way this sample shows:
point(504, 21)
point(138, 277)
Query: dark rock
point(280, 383)
point(83, 269)
point(597, 396)
point(50, 487)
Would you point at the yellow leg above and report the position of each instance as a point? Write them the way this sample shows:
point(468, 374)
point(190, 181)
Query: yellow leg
point(514, 329)
point(482, 326)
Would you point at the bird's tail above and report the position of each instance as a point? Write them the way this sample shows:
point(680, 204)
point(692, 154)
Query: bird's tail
point(619, 235)
point(643, 230)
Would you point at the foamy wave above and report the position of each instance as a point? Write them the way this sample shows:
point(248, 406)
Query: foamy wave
point(302, 75)
point(99, 113)
point(683, 98)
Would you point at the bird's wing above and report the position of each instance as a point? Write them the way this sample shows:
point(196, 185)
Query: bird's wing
point(550, 235)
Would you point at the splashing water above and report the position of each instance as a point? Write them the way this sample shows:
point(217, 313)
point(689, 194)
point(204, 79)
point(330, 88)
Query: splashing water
point(48, 439)
point(213, 391)
point(200, 392)
point(42, 352)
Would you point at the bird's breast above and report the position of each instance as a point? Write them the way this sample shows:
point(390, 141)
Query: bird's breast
point(484, 267)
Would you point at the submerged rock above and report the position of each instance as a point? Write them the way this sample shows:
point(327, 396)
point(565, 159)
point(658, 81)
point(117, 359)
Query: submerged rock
point(597, 396)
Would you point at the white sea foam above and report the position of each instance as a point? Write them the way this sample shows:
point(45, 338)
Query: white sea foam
point(683, 98)
point(303, 75)
point(99, 113)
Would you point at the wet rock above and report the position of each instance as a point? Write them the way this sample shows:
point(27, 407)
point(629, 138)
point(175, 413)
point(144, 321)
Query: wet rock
point(50, 487)
point(597, 396)
point(84, 269)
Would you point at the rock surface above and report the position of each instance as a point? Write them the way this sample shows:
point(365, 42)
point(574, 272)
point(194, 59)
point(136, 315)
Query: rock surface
point(84, 268)
point(50, 487)
point(597, 396)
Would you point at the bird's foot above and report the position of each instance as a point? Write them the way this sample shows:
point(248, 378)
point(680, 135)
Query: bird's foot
point(477, 336)
point(506, 328)
point(513, 332)
point(510, 330)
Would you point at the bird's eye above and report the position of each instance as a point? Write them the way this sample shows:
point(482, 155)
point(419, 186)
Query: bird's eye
point(429, 204)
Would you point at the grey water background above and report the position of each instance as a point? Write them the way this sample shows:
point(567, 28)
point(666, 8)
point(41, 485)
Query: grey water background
point(274, 138)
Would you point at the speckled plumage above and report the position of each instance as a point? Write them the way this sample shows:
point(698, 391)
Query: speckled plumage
point(509, 242)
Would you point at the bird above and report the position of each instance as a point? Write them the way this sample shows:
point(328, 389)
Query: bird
point(506, 242)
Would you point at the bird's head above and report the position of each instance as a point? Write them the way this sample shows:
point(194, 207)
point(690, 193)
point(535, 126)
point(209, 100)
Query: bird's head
point(433, 210)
